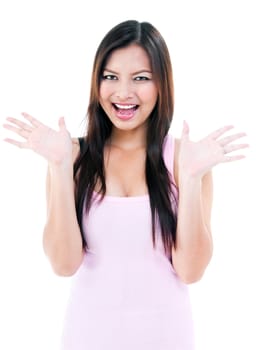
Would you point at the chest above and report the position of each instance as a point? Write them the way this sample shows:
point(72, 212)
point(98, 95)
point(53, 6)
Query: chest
point(119, 224)
point(125, 172)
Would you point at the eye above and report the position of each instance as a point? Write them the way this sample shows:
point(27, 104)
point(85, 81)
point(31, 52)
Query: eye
point(109, 77)
point(141, 78)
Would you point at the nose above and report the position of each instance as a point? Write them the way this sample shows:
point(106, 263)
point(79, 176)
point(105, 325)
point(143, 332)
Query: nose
point(124, 91)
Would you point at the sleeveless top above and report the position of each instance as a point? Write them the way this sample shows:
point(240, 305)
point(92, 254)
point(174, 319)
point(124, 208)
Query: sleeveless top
point(126, 294)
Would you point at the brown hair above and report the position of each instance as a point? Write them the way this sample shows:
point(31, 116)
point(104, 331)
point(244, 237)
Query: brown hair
point(89, 167)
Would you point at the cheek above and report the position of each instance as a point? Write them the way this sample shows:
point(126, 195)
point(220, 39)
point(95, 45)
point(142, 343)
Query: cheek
point(149, 95)
point(104, 91)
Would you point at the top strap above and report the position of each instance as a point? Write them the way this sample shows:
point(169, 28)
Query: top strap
point(81, 143)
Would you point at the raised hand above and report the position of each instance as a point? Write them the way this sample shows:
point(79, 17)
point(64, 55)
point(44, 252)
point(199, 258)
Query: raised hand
point(54, 146)
point(197, 158)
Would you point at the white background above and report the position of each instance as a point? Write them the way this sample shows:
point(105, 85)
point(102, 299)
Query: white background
point(47, 48)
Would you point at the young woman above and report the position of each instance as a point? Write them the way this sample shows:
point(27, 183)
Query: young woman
point(129, 206)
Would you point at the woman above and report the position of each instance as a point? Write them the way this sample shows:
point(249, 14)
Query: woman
point(129, 206)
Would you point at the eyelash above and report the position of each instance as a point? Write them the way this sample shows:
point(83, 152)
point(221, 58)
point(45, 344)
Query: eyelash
point(109, 77)
point(141, 78)
point(113, 77)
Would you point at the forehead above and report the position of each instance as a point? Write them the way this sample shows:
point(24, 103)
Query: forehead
point(132, 57)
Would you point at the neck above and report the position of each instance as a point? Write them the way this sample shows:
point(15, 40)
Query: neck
point(128, 140)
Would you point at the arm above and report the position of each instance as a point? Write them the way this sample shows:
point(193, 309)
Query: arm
point(62, 240)
point(193, 164)
point(193, 249)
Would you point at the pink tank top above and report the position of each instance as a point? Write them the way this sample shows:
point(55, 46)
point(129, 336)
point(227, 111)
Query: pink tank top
point(126, 294)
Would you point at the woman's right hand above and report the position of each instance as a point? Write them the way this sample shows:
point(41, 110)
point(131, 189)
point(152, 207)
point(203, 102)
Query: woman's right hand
point(54, 146)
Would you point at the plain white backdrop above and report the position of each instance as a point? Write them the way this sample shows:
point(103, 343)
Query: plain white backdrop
point(46, 54)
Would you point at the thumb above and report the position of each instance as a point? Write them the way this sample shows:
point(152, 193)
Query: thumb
point(62, 124)
point(185, 130)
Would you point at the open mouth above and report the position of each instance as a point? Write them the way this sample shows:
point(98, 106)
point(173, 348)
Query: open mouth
point(126, 109)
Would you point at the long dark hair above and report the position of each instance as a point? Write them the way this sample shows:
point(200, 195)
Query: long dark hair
point(89, 166)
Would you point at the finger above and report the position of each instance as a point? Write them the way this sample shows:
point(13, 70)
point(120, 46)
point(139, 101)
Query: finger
point(226, 140)
point(16, 143)
point(217, 133)
point(232, 148)
point(62, 124)
point(232, 158)
point(31, 119)
point(20, 132)
point(185, 130)
point(19, 123)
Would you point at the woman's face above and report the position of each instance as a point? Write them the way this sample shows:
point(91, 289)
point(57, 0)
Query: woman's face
point(128, 92)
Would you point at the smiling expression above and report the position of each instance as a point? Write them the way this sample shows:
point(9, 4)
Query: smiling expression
point(128, 92)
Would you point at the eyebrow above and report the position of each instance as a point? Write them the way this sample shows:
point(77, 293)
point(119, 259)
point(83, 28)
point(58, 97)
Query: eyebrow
point(134, 73)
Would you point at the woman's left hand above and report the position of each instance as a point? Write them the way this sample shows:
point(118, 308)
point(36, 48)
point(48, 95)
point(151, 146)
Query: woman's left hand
point(198, 158)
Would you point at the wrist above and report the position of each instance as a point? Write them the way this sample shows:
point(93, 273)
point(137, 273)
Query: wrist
point(61, 167)
point(189, 180)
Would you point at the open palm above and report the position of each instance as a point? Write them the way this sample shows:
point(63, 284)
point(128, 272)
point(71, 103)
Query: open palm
point(54, 146)
point(197, 158)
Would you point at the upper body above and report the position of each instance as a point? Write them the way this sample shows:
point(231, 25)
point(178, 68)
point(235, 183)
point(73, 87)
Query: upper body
point(130, 113)
point(126, 178)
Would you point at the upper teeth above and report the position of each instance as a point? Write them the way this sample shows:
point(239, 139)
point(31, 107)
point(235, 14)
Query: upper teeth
point(124, 106)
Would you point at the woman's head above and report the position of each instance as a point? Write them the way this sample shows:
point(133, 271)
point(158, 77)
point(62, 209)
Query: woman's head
point(128, 91)
point(145, 36)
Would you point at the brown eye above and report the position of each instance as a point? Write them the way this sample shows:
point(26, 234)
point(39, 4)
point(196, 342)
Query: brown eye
point(141, 78)
point(109, 77)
